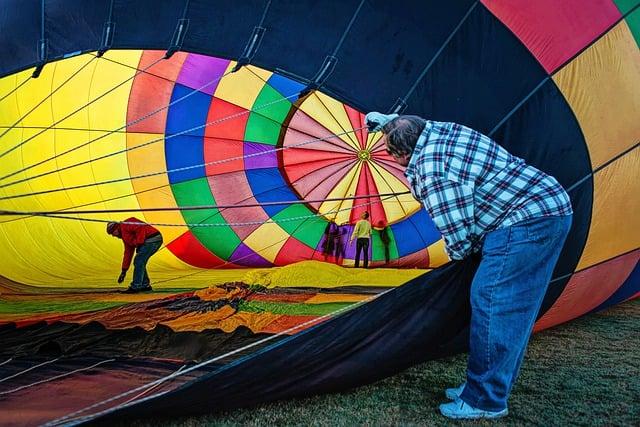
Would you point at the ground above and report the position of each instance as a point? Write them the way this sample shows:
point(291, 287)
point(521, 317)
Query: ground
point(586, 372)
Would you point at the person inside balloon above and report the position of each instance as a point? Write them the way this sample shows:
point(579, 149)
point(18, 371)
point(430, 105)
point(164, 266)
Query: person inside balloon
point(484, 200)
point(141, 238)
point(362, 234)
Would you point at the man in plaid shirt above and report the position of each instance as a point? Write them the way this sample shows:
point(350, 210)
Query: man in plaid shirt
point(483, 199)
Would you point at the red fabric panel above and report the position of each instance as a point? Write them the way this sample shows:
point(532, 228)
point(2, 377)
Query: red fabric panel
point(151, 91)
point(357, 118)
point(232, 128)
point(282, 323)
point(292, 251)
point(299, 162)
point(588, 289)
point(553, 30)
point(217, 149)
point(191, 251)
point(366, 185)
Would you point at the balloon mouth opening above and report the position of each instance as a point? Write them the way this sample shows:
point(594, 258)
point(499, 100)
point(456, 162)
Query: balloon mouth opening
point(364, 155)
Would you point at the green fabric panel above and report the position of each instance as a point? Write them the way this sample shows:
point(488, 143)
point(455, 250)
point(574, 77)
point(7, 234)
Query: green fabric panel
point(626, 5)
point(221, 240)
point(295, 309)
point(264, 123)
point(378, 246)
point(633, 21)
point(39, 307)
point(309, 231)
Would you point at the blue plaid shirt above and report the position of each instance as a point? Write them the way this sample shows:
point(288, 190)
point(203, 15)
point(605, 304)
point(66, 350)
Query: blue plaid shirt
point(470, 186)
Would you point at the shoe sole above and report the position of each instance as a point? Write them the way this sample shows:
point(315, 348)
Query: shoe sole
point(478, 417)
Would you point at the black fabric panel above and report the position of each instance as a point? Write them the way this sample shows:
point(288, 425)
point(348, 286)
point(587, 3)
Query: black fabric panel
point(408, 325)
point(480, 76)
point(145, 23)
point(388, 47)
point(70, 29)
point(545, 132)
point(301, 34)
point(220, 27)
point(19, 34)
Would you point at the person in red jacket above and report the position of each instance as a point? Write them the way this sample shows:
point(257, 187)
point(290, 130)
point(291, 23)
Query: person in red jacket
point(144, 240)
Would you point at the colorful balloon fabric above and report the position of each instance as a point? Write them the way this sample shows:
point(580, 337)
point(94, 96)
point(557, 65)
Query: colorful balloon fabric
point(247, 145)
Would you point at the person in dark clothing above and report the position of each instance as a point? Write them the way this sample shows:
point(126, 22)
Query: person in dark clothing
point(338, 243)
point(362, 234)
point(144, 240)
point(328, 244)
point(383, 230)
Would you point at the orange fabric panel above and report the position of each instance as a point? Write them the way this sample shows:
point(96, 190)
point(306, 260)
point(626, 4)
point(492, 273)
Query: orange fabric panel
point(603, 89)
point(152, 91)
point(615, 222)
point(588, 289)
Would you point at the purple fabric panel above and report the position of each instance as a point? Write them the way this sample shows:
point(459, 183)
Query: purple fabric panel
point(199, 70)
point(243, 255)
point(268, 160)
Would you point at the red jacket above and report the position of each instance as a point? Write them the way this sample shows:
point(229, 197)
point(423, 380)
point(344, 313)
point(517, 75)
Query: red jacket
point(134, 235)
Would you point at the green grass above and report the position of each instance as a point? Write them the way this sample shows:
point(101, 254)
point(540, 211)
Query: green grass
point(586, 372)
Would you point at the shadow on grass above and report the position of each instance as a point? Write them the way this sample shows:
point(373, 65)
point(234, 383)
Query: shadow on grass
point(586, 372)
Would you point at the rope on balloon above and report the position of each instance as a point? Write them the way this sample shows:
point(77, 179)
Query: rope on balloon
point(67, 80)
point(125, 126)
point(164, 172)
point(227, 224)
point(12, 91)
point(77, 110)
point(197, 208)
point(153, 141)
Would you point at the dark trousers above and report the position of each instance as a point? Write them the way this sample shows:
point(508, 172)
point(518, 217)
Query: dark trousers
point(362, 244)
point(143, 253)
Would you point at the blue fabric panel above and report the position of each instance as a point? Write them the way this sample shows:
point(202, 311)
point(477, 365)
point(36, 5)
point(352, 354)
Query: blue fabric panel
point(145, 22)
point(414, 233)
point(221, 27)
point(269, 186)
point(189, 112)
point(395, 41)
point(479, 77)
point(183, 151)
point(629, 288)
point(286, 87)
point(302, 33)
point(65, 24)
point(19, 34)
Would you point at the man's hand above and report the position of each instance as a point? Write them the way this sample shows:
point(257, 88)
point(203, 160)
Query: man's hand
point(122, 276)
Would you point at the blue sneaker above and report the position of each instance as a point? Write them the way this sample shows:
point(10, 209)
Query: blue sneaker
point(460, 410)
point(454, 393)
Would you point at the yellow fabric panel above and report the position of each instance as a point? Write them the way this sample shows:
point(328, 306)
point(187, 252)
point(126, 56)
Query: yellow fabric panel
point(151, 159)
point(602, 86)
point(264, 75)
point(615, 223)
point(330, 114)
point(240, 88)
point(372, 138)
point(339, 210)
point(267, 240)
point(398, 207)
point(437, 254)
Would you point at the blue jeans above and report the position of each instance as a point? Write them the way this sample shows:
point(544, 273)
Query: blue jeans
point(506, 295)
point(143, 253)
